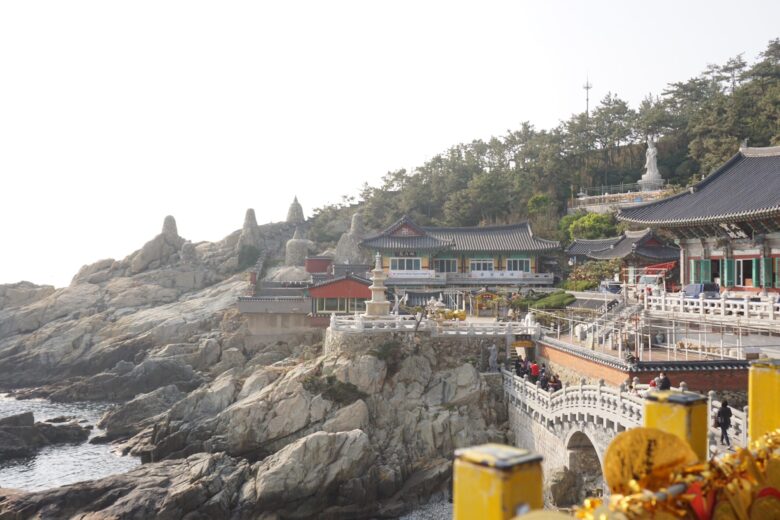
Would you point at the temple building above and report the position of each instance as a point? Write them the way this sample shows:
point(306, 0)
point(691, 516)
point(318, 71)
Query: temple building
point(341, 295)
point(636, 250)
point(436, 257)
point(727, 225)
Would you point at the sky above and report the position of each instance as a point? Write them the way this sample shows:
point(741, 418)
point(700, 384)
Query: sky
point(116, 114)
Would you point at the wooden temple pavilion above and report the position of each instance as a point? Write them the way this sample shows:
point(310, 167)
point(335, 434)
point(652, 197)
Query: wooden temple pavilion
point(430, 257)
point(727, 225)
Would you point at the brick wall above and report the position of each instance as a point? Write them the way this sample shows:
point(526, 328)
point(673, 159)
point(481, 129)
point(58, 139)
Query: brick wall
point(572, 368)
point(702, 380)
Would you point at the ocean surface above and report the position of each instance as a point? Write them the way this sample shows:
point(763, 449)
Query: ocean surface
point(63, 463)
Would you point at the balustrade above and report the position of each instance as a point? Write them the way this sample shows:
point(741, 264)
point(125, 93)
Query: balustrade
point(601, 405)
point(723, 307)
point(436, 327)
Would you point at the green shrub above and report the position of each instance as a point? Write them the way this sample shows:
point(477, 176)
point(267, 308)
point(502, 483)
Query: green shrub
point(579, 285)
point(391, 353)
point(333, 390)
point(556, 300)
point(247, 257)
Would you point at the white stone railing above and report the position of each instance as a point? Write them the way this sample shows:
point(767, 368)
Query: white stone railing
point(612, 408)
point(498, 275)
point(418, 273)
point(358, 324)
point(724, 307)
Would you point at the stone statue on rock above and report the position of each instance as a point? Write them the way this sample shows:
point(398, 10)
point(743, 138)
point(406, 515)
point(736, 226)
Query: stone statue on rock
point(651, 180)
point(348, 248)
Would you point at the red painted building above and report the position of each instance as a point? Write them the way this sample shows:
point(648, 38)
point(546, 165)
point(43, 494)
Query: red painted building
point(318, 264)
point(343, 295)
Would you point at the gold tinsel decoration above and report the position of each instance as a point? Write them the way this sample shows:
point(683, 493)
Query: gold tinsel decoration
point(744, 485)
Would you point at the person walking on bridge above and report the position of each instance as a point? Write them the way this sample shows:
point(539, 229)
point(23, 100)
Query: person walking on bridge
point(534, 372)
point(664, 383)
point(724, 422)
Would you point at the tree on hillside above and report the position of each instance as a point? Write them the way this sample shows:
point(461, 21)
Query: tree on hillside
point(699, 123)
point(592, 226)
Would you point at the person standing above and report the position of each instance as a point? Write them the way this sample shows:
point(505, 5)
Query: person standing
point(519, 366)
point(664, 383)
point(534, 372)
point(724, 422)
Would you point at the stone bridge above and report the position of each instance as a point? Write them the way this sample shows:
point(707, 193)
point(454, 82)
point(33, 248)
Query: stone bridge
point(573, 427)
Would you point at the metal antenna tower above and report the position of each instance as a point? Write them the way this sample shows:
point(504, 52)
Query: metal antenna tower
point(587, 86)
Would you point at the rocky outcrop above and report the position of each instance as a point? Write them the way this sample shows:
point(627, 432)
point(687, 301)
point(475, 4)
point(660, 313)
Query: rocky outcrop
point(159, 250)
point(21, 436)
point(201, 486)
point(135, 415)
point(22, 293)
point(292, 484)
point(125, 381)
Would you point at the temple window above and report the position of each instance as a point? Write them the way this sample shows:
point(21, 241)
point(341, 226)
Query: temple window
point(445, 265)
point(481, 264)
point(518, 264)
point(405, 264)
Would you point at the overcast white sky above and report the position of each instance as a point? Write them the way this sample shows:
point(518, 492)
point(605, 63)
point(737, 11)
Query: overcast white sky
point(115, 114)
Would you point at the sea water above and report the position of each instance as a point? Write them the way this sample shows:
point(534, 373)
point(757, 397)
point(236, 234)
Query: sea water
point(61, 464)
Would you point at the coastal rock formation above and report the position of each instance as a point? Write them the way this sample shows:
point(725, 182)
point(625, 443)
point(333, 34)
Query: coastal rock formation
point(22, 293)
point(133, 416)
point(320, 475)
point(165, 300)
point(21, 436)
point(159, 250)
point(232, 425)
point(201, 486)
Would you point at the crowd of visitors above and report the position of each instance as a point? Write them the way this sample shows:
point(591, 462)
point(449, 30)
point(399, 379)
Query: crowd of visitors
point(538, 373)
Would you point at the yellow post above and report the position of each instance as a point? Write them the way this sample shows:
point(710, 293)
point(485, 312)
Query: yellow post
point(763, 397)
point(681, 414)
point(493, 481)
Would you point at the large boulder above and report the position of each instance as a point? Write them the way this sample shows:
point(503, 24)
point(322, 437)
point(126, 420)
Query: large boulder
point(21, 436)
point(315, 474)
point(118, 385)
point(159, 250)
point(133, 416)
point(22, 293)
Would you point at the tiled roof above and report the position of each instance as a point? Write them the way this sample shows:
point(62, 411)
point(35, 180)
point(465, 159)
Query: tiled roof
point(515, 237)
point(348, 276)
point(635, 242)
point(583, 246)
point(747, 186)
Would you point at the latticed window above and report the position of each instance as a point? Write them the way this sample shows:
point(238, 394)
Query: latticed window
point(518, 264)
point(446, 265)
point(405, 264)
point(481, 264)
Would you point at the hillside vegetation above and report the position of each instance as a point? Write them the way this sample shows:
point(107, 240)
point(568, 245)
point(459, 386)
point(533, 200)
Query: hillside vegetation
point(530, 173)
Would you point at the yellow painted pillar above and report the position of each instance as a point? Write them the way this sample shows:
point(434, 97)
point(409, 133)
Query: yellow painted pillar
point(681, 414)
point(493, 481)
point(763, 397)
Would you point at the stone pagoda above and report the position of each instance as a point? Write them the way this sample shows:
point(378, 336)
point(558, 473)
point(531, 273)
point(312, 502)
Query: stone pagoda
point(378, 306)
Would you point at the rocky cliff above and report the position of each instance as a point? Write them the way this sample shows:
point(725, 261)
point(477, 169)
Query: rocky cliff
point(169, 291)
point(229, 425)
